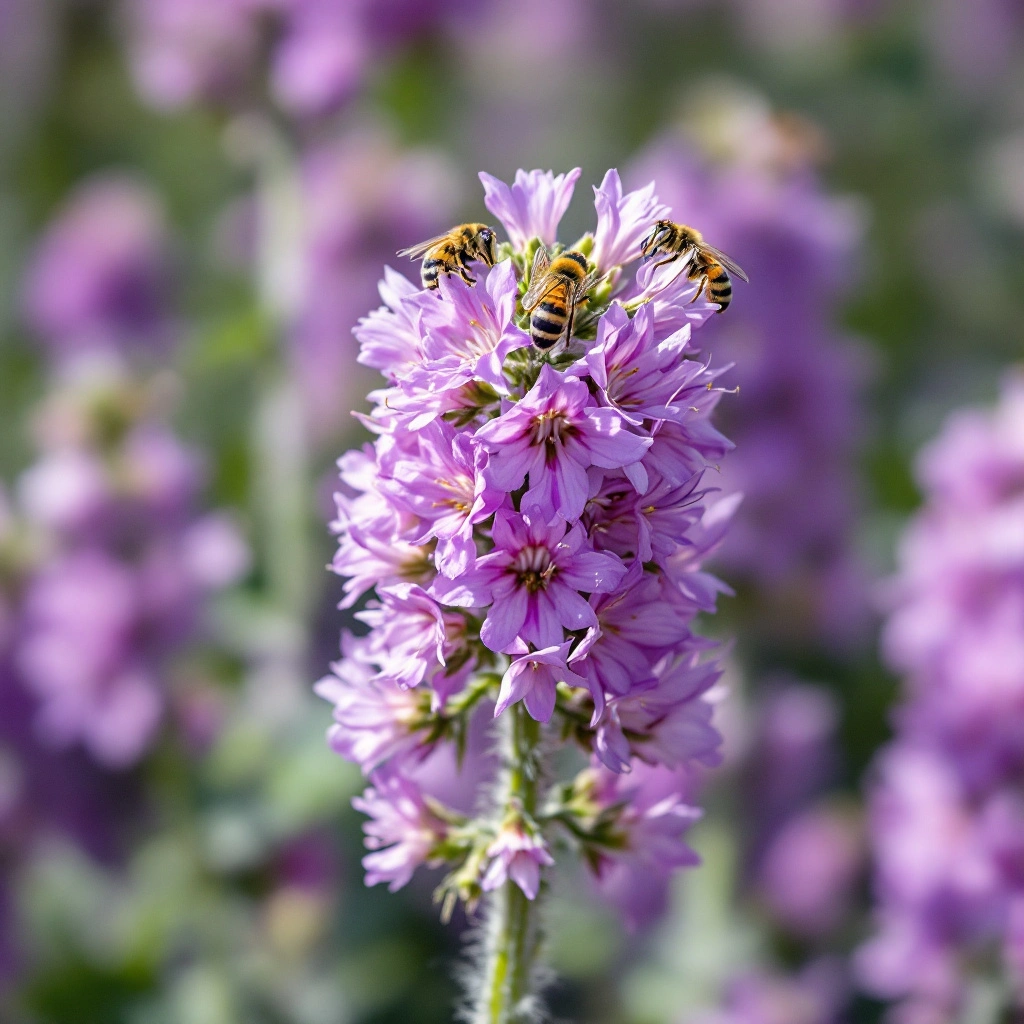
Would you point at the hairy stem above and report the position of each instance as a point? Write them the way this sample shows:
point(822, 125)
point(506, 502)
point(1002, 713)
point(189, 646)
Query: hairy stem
point(512, 934)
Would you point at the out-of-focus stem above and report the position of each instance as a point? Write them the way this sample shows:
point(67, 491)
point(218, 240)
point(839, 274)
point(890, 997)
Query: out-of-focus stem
point(512, 936)
point(281, 446)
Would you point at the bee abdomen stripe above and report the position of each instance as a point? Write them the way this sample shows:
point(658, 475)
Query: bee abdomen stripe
point(541, 325)
point(552, 307)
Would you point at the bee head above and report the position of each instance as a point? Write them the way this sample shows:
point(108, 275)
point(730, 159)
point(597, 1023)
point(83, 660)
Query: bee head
point(650, 244)
point(486, 243)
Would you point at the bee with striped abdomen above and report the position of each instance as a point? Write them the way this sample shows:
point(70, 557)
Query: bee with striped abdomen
point(709, 267)
point(451, 252)
point(557, 287)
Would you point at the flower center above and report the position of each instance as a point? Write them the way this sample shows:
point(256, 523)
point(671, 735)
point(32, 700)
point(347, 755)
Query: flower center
point(461, 499)
point(419, 566)
point(533, 568)
point(480, 340)
point(551, 427)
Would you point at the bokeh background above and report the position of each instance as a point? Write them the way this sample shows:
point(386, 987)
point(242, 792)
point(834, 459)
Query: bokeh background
point(196, 201)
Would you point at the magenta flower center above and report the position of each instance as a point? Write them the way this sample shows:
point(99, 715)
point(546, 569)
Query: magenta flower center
point(533, 568)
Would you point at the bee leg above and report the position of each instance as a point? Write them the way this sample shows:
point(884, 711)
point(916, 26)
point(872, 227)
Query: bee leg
point(664, 263)
point(464, 272)
point(702, 283)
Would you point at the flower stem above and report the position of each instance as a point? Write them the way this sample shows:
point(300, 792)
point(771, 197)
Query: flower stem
point(512, 933)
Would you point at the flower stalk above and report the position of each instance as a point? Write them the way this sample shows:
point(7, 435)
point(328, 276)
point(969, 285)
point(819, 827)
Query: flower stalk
point(513, 933)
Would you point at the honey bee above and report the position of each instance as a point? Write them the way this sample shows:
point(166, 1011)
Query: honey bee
point(557, 287)
point(449, 253)
point(709, 267)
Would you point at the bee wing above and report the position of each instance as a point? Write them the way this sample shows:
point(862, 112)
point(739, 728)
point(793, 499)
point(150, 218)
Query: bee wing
point(580, 291)
point(540, 282)
point(728, 262)
point(423, 247)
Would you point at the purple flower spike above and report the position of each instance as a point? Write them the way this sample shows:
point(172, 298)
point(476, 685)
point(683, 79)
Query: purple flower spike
point(946, 814)
point(131, 562)
point(533, 527)
point(533, 206)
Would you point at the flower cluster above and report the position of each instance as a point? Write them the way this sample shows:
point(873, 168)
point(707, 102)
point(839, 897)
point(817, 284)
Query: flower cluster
point(532, 526)
point(947, 807)
point(124, 564)
point(747, 180)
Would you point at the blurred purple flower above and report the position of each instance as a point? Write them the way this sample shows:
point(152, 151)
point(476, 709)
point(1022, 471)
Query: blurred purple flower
point(322, 56)
point(796, 420)
point(818, 994)
point(808, 873)
point(183, 51)
point(947, 818)
point(100, 276)
point(532, 206)
point(793, 756)
point(318, 52)
point(977, 42)
point(129, 561)
point(402, 830)
point(362, 198)
point(633, 873)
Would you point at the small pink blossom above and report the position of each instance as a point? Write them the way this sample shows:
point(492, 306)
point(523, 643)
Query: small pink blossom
point(532, 678)
point(518, 854)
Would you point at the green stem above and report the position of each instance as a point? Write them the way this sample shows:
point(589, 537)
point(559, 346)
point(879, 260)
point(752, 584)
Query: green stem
point(512, 933)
